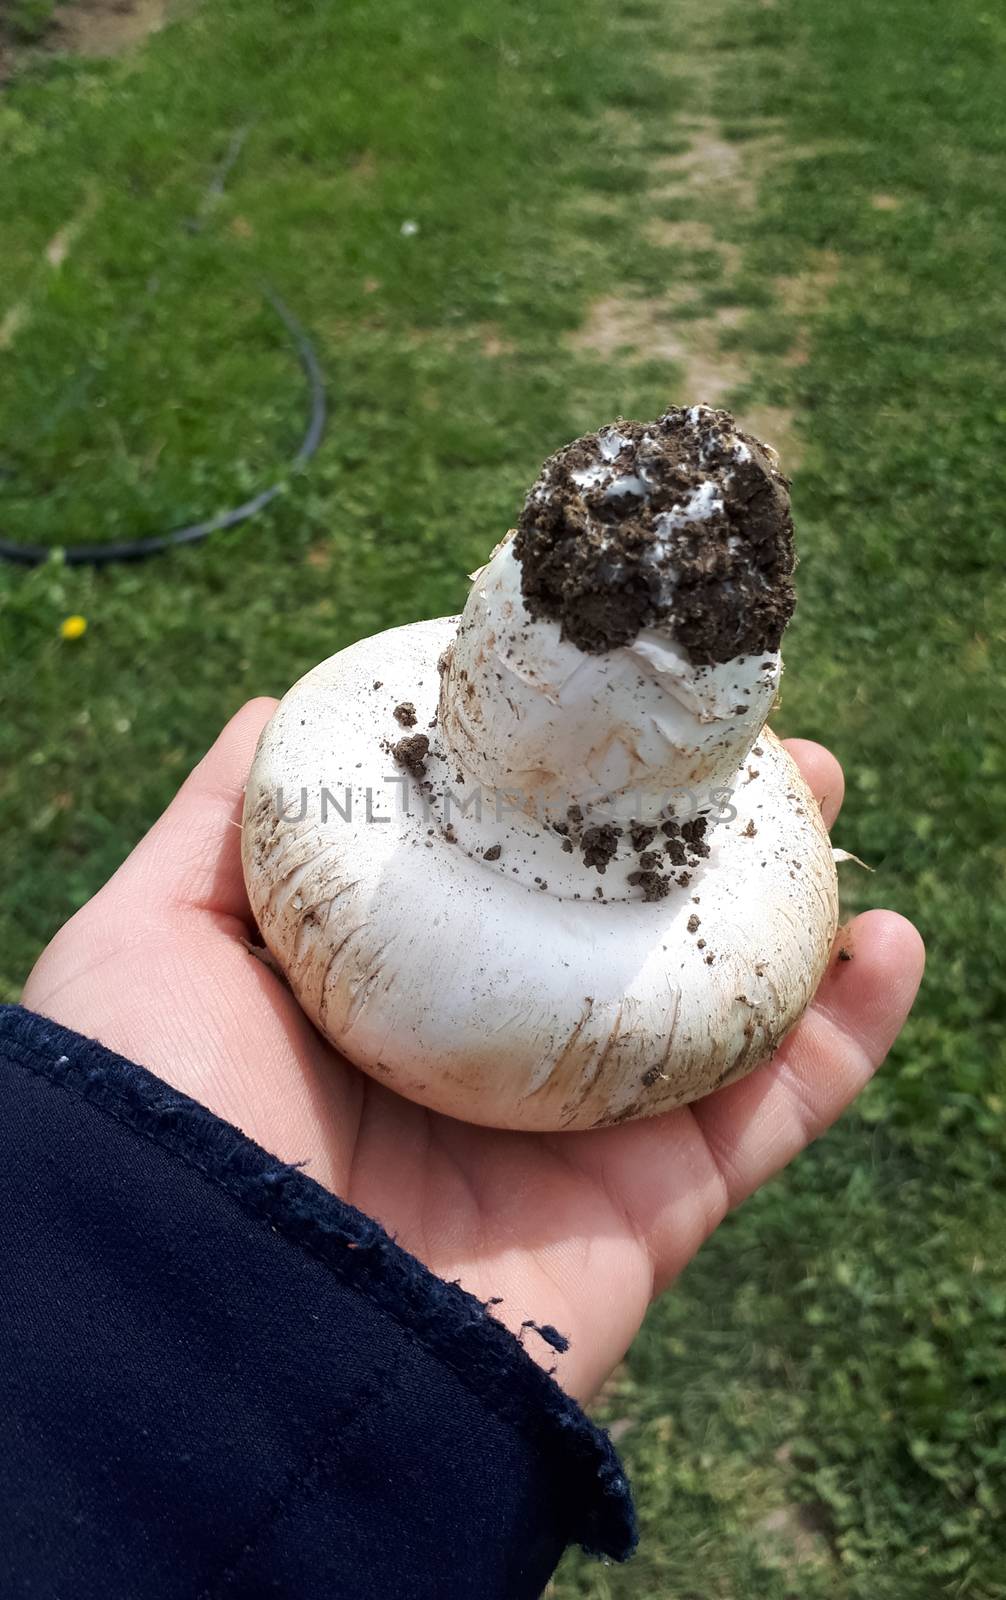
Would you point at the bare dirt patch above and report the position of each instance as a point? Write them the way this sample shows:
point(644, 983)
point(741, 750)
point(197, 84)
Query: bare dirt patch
point(700, 370)
point(643, 328)
point(695, 236)
point(793, 1536)
point(11, 324)
point(646, 329)
point(107, 27)
point(92, 28)
point(364, 166)
point(714, 166)
point(495, 345)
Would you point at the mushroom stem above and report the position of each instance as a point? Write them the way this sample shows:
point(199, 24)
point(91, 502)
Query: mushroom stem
point(634, 731)
point(619, 653)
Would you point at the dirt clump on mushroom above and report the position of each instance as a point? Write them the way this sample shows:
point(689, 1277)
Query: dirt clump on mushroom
point(599, 844)
point(653, 884)
point(411, 753)
point(682, 523)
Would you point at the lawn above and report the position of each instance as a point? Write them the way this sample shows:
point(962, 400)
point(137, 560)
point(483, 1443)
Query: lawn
point(503, 225)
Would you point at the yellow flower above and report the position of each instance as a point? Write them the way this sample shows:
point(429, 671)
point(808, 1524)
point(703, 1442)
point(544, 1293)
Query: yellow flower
point(72, 627)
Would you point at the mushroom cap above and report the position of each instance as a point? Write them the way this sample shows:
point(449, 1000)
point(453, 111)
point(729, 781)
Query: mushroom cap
point(474, 991)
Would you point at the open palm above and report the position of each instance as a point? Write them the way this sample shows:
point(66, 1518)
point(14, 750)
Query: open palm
point(574, 1230)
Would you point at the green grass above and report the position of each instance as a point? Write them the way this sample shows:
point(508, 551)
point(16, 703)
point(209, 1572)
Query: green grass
point(832, 1365)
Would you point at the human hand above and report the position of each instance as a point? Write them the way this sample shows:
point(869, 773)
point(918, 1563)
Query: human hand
point(577, 1230)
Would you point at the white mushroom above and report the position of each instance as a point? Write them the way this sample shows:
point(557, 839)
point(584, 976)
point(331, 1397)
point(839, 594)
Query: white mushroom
point(544, 866)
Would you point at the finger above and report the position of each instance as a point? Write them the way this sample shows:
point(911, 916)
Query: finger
point(756, 1126)
point(821, 773)
point(191, 858)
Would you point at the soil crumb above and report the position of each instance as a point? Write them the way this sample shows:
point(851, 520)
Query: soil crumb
point(682, 523)
point(654, 886)
point(405, 714)
point(599, 844)
point(411, 753)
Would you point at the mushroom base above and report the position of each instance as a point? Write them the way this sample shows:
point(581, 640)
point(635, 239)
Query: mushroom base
point(490, 997)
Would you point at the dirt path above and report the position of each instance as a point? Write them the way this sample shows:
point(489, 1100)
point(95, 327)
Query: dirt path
point(706, 187)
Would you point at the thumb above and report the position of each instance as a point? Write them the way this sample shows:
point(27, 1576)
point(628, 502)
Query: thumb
point(191, 857)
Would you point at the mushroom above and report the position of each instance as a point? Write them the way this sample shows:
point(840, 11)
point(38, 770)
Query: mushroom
point(591, 884)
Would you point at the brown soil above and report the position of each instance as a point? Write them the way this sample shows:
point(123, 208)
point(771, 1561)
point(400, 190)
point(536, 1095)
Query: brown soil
point(107, 27)
point(715, 164)
point(411, 753)
point(605, 564)
point(646, 329)
point(90, 28)
point(697, 238)
point(793, 1536)
point(599, 845)
point(405, 714)
point(654, 887)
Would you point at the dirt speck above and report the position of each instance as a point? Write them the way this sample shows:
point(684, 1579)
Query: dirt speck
point(405, 714)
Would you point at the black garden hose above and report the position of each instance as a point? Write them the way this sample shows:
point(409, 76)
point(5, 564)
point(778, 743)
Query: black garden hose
point(99, 555)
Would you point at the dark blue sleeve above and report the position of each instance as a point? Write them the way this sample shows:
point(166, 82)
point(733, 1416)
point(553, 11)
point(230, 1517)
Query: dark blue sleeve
point(216, 1379)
